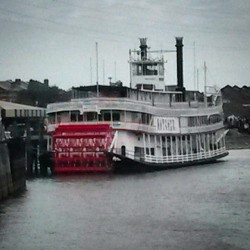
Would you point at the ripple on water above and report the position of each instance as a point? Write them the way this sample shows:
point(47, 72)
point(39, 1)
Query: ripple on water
point(199, 207)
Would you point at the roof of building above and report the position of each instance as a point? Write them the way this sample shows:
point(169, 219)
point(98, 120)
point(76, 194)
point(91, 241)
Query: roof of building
point(21, 110)
point(16, 85)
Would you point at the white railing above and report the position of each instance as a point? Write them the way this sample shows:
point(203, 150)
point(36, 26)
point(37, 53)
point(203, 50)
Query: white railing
point(173, 158)
point(184, 158)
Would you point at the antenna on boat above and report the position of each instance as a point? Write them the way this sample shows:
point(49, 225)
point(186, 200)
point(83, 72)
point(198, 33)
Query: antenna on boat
point(205, 84)
point(90, 65)
point(130, 69)
point(197, 79)
point(115, 70)
point(97, 85)
point(103, 72)
point(194, 67)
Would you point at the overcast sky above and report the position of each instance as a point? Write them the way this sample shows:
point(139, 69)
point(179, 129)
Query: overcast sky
point(55, 39)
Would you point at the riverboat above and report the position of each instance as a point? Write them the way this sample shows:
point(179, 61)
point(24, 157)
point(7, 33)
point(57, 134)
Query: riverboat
point(141, 127)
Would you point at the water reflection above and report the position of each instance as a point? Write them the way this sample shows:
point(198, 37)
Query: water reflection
point(200, 207)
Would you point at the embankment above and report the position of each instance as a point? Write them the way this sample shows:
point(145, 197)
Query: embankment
point(12, 168)
point(237, 140)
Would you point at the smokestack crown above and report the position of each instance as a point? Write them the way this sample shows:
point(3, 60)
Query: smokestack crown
point(143, 48)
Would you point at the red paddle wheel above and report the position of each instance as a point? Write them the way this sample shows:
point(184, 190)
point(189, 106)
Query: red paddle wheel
point(81, 148)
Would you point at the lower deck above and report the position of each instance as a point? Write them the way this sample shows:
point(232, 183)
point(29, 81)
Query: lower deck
point(159, 149)
point(127, 165)
point(95, 148)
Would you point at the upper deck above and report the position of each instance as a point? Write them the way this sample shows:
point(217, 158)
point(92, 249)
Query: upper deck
point(123, 98)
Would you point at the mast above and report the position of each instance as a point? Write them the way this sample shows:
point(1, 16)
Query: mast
point(194, 67)
point(90, 65)
point(205, 84)
point(130, 68)
point(97, 84)
point(103, 72)
point(197, 79)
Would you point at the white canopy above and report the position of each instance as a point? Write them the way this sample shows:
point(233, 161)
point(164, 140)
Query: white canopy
point(21, 110)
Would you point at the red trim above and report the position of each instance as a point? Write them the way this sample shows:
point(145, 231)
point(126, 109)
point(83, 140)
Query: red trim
point(72, 169)
point(81, 148)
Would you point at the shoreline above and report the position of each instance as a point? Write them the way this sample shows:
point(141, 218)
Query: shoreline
point(237, 140)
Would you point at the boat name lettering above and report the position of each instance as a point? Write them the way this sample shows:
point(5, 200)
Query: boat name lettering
point(166, 124)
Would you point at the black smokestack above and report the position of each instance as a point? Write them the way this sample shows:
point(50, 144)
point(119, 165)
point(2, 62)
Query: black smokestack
point(143, 48)
point(179, 57)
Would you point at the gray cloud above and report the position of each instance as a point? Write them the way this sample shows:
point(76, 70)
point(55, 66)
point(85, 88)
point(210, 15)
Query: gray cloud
point(56, 39)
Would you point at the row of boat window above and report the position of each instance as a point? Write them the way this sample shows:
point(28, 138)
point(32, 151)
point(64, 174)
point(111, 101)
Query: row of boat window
point(203, 120)
point(178, 145)
point(147, 69)
point(113, 115)
point(133, 117)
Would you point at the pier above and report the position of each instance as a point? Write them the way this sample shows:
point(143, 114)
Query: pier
point(22, 142)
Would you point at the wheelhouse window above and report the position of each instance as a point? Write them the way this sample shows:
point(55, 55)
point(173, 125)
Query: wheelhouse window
point(147, 69)
point(150, 69)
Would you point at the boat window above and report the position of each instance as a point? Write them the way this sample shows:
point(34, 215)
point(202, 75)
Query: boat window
point(99, 117)
point(137, 69)
point(161, 69)
point(91, 116)
point(134, 69)
point(203, 120)
point(150, 69)
point(139, 152)
point(51, 119)
point(147, 69)
point(107, 116)
point(74, 115)
point(116, 116)
point(144, 118)
point(80, 118)
point(148, 87)
point(152, 151)
point(63, 117)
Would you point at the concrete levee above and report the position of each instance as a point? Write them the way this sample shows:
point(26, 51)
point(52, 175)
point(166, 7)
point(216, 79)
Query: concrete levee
point(6, 184)
point(12, 167)
point(16, 149)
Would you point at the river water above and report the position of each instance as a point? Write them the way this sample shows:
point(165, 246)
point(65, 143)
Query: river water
point(199, 207)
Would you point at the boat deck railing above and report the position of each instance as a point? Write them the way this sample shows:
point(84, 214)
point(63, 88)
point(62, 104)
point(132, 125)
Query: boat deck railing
point(127, 104)
point(171, 158)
